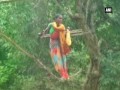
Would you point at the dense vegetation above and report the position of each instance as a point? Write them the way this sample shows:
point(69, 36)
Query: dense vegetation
point(21, 20)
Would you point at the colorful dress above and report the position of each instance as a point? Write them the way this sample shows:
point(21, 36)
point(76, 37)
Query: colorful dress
point(59, 50)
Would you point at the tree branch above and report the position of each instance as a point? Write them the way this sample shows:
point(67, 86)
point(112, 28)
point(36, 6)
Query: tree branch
point(69, 11)
point(7, 1)
point(27, 54)
point(38, 61)
point(87, 8)
point(72, 34)
point(77, 73)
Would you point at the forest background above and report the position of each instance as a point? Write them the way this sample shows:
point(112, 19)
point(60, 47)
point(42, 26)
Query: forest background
point(94, 62)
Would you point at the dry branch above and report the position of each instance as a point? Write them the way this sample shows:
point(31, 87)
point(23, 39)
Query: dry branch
point(37, 60)
point(7, 1)
point(73, 33)
point(26, 53)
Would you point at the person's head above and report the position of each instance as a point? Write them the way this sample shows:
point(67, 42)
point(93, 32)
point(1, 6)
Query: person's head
point(58, 18)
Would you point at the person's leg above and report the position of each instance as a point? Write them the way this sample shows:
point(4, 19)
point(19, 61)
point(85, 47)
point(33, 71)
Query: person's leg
point(65, 66)
point(57, 58)
point(58, 61)
point(54, 45)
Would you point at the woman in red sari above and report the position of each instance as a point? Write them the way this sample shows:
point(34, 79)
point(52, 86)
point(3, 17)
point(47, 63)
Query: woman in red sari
point(58, 47)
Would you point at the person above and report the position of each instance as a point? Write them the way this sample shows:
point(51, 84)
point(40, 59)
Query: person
point(58, 47)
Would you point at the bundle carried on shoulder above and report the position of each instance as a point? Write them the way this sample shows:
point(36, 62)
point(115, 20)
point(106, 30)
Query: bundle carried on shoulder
point(68, 37)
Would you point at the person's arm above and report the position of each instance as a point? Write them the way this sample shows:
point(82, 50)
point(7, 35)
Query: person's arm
point(46, 30)
point(60, 28)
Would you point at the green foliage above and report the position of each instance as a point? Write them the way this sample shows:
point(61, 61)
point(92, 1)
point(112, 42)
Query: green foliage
point(22, 20)
point(7, 74)
point(110, 71)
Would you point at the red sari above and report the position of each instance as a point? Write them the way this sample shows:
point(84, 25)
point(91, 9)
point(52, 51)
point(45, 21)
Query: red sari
point(59, 50)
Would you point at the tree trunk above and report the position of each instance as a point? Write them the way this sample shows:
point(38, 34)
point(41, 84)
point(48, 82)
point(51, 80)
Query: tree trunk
point(92, 81)
point(87, 25)
point(84, 17)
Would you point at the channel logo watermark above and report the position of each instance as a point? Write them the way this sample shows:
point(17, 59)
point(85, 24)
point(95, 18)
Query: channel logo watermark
point(108, 9)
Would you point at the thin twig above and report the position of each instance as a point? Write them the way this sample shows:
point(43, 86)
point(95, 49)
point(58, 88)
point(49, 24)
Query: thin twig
point(76, 73)
point(36, 4)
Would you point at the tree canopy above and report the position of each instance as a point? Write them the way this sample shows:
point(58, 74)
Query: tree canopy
point(25, 63)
